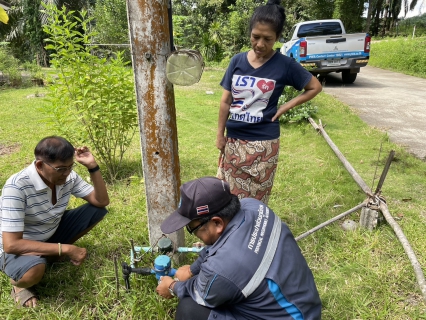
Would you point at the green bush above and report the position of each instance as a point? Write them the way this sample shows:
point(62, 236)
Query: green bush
point(299, 113)
point(111, 27)
point(34, 70)
point(222, 64)
point(7, 61)
point(9, 66)
point(92, 102)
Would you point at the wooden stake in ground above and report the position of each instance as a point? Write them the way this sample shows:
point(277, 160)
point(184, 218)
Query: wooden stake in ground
point(117, 281)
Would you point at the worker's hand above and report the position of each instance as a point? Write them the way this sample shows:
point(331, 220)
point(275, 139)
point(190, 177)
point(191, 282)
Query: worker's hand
point(183, 273)
point(163, 287)
point(85, 157)
point(76, 254)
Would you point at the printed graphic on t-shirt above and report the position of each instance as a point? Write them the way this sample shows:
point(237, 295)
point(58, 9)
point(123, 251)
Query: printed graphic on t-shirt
point(250, 97)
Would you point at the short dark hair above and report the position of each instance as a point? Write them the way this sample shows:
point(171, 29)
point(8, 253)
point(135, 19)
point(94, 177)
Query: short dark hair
point(228, 212)
point(272, 13)
point(54, 148)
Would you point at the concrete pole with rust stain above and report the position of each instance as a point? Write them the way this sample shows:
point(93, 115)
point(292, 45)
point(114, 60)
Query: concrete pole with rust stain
point(150, 45)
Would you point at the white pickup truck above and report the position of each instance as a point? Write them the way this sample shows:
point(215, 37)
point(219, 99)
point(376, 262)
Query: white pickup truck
point(323, 46)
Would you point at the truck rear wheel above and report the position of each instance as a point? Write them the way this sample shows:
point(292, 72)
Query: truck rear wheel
point(348, 77)
point(321, 77)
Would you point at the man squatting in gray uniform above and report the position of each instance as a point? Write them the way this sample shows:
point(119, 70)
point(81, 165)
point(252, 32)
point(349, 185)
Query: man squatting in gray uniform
point(34, 222)
point(251, 267)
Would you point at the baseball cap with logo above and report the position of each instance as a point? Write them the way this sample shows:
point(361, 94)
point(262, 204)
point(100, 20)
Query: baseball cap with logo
point(199, 198)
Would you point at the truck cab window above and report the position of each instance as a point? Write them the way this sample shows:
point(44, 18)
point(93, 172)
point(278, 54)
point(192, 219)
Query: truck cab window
point(319, 29)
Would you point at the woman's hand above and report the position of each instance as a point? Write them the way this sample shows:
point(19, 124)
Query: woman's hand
point(311, 90)
point(281, 110)
point(225, 103)
point(220, 143)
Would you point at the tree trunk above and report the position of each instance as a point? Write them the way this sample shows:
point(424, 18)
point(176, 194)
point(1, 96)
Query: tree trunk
point(385, 19)
point(376, 14)
point(369, 12)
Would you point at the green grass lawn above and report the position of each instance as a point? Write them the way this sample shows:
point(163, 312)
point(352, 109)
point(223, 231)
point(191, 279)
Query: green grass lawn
point(359, 274)
point(403, 54)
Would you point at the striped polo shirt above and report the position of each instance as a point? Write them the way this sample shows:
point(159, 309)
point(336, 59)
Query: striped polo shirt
point(26, 204)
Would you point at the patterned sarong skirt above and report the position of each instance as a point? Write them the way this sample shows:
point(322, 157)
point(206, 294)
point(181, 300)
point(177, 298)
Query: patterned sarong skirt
point(249, 167)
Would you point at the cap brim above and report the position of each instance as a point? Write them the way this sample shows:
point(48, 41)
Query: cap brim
point(174, 222)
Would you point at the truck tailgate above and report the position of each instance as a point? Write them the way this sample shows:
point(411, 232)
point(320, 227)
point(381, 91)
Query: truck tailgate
point(347, 45)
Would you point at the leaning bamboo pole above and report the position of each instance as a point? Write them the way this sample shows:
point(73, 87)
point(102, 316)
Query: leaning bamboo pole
point(382, 206)
point(407, 248)
point(342, 158)
point(385, 172)
point(324, 224)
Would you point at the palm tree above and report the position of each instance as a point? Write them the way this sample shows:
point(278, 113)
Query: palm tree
point(410, 5)
point(25, 27)
point(385, 13)
point(392, 10)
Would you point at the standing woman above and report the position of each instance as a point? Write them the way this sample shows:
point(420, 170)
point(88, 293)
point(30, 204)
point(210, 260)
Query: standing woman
point(249, 109)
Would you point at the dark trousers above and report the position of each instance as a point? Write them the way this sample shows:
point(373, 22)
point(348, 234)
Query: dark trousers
point(73, 223)
point(188, 309)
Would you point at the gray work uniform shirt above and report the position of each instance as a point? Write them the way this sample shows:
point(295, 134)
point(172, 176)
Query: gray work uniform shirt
point(224, 269)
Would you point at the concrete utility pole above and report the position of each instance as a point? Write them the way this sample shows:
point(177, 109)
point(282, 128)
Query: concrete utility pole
point(150, 44)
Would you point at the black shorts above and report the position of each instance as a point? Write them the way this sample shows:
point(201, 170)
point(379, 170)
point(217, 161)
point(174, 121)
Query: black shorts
point(73, 222)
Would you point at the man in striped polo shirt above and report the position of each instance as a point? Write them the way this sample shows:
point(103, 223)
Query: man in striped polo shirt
point(34, 221)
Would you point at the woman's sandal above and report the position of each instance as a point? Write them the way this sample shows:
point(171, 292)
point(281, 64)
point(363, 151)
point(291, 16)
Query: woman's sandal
point(22, 296)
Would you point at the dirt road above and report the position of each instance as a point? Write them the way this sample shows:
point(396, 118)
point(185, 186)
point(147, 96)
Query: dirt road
point(391, 101)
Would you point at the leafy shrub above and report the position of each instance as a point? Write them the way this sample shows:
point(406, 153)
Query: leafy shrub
point(7, 61)
point(110, 28)
point(33, 69)
point(211, 43)
point(406, 26)
point(93, 100)
point(222, 64)
point(299, 113)
point(9, 66)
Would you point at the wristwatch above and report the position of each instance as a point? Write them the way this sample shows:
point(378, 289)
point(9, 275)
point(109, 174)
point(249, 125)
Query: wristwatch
point(171, 289)
point(94, 169)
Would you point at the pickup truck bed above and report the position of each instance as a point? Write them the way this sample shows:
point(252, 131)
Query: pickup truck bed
point(322, 54)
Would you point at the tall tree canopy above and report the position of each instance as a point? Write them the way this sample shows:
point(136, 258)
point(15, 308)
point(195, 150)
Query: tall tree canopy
point(218, 28)
point(24, 30)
